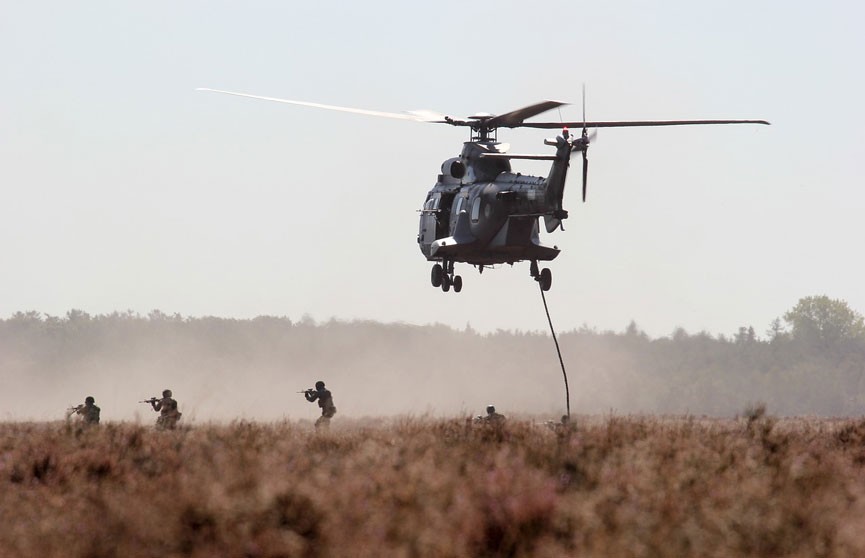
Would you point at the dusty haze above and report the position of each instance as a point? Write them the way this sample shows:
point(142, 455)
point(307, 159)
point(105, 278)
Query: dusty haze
point(223, 369)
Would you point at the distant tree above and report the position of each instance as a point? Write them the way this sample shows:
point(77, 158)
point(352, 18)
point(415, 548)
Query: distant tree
point(824, 321)
point(77, 316)
point(776, 331)
point(157, 316)
point(745, 336)
point(634, 331)
point(31, 316)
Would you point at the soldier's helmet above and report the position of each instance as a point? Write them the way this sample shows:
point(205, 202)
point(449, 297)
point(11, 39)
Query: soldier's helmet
point(319, 385)
point(491, 409)
point(89, 400)
point(166, 393)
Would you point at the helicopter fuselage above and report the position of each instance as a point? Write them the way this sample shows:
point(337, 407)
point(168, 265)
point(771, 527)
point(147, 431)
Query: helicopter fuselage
point(481, 213)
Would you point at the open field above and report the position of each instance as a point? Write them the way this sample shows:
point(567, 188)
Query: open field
point(615, 486)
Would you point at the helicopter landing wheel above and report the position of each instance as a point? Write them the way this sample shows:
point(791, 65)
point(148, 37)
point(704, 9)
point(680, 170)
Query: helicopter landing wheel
point(458, 283)
point(436, 275)
point(446, 283)
point(546, 279)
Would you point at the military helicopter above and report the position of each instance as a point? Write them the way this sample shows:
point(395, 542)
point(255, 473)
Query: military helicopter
point(479, 211)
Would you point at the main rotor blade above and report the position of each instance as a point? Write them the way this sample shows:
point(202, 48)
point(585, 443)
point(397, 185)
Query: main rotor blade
point(514, 118)
point(417, 116)
point(635, 123)
point(509, 156)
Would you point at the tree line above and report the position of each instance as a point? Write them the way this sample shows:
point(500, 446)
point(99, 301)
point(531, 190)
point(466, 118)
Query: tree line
point(811, 360)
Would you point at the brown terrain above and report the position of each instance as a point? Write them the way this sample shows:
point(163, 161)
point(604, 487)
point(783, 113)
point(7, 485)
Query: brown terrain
point(611, 486)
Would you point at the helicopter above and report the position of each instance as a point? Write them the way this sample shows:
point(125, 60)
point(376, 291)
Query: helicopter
point(482, 213)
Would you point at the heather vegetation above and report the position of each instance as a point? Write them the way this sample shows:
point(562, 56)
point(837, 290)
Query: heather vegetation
point(612, 486)
point(649, 469)
point(811, 361)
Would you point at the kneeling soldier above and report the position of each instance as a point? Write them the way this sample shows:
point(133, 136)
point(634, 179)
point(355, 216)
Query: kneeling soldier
point(89, 411)
point(168, 413)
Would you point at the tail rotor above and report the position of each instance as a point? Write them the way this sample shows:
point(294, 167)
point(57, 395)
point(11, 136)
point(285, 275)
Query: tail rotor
point(584, 146)
point(585, 172)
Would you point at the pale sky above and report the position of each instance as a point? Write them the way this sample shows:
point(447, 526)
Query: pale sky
point(121, 187)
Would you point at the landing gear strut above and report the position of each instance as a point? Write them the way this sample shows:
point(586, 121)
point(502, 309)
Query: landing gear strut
point(442, 275)
point(544, 277)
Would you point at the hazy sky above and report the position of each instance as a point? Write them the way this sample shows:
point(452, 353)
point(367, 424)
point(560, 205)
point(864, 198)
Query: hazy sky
point(121, 187)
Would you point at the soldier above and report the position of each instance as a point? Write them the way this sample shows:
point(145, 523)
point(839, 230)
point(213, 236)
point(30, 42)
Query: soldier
point(325, 402)
point(89, 411)
point(565, 426)
point(493, 417)
point(168, 413)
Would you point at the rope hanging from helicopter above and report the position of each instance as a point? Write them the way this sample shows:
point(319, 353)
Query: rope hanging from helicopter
point(558, 351)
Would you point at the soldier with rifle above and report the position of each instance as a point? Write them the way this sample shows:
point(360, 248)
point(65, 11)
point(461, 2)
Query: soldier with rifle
point(89, 412)
point(325, 402)
point(492, 417)
point(167, 408)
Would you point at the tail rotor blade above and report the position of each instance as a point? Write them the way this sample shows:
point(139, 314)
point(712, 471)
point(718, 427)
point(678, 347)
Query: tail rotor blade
point(584, 109)
point(585, 174)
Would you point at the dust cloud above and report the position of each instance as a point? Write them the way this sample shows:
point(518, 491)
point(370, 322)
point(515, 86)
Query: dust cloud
point(224, 369)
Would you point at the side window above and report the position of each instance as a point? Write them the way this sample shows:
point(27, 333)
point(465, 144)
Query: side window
point(459, 206)
point(476, 209)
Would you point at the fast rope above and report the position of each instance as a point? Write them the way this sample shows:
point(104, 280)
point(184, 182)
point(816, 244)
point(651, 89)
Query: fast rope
point(558, 351)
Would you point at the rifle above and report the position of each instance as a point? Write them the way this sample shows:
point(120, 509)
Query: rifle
point(310, 390)
point(152, 400)
point(72, 411)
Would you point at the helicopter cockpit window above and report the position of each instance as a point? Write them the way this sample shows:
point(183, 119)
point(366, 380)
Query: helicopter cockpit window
point(476, 209)
point(459, 206)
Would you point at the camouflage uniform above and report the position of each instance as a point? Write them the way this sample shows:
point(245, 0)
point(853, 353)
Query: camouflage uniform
point(168, 413)
point(493, 417)
point(89, 411)
point(325, 402)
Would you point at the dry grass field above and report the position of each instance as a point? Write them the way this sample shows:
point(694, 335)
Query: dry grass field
point(614, 486)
